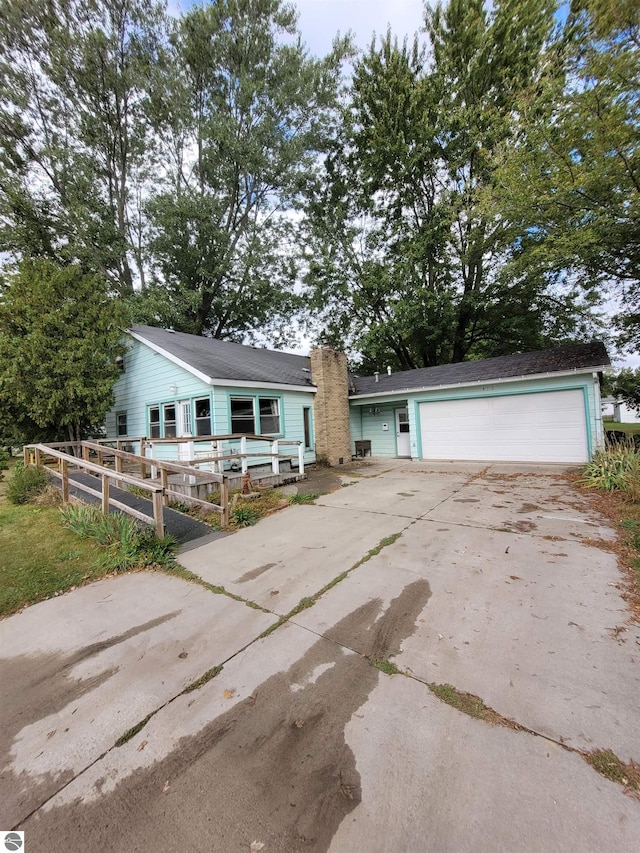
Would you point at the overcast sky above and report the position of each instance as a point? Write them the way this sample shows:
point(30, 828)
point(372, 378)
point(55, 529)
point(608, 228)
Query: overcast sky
point(320, 20)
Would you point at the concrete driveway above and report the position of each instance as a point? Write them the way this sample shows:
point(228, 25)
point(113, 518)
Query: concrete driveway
point(490, 579)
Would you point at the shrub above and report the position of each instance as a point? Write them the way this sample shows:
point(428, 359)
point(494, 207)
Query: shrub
point(127, 543)
point(27, 482)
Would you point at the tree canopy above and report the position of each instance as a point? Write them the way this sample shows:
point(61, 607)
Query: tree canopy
point(407, 247)
point(467, 193)
point(60, 338)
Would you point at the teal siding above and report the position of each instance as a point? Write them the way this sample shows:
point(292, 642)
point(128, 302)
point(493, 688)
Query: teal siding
point(148, 379)
point(383, 444)
point(372, 421)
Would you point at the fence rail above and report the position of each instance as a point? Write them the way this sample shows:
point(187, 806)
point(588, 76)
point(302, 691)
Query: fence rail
point(152, 474)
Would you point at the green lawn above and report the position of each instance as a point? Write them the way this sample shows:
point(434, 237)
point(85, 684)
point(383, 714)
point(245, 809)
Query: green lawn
point(39, 557)
point(630, 429)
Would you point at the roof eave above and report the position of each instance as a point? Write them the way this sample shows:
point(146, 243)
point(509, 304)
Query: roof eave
point(171, 357)
point(397, 391)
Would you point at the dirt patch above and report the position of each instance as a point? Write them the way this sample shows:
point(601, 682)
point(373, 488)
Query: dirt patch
point(522, 526)
point(275, 768)
point(527, 507)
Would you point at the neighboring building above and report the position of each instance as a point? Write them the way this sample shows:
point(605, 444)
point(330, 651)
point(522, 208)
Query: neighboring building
point(534, 407)
point(619, 411)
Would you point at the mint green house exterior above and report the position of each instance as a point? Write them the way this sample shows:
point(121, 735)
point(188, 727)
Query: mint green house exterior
point(164, 392)
point(532, 407)
point(529, 407)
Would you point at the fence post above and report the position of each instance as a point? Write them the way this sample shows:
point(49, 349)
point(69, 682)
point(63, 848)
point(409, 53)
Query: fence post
point(65, 480)
point(157, 513)
point(118, 463)
point(38, 456)
point(301, 458)
point(105, 494)
point(224, 503)
point(164, 479)
point(243, 451)
point(26, 456)
point(275, 458)
point(85, 452)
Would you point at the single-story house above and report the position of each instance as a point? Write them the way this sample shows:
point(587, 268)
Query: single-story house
point(530, 407)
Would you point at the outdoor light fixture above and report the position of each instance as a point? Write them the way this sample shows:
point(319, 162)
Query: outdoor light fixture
point(173, 388)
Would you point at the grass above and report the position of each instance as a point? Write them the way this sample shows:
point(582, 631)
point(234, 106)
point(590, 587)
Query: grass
point(133, 731)
point(302, 498)
point(607, 764)
point(615, 474)
point(630, 429)
point(386, 666)
point(39, 558)
point(471, 705)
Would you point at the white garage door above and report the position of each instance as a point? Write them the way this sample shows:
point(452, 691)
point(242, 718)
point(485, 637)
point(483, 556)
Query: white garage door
point(545, 427)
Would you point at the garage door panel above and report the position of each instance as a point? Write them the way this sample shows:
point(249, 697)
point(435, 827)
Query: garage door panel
point(543, 427)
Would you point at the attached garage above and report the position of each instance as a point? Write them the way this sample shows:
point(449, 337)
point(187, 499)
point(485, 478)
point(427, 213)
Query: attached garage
point(527, 407)
point(535, 427)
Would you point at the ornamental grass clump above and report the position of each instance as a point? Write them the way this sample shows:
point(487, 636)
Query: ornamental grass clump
point(616, 467)
point(127, 544)
point(26, 483)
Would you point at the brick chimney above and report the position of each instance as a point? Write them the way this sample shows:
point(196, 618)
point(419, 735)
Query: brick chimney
point(331, 406)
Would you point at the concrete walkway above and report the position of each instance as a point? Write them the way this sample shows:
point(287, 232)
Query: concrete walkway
point(490, 579)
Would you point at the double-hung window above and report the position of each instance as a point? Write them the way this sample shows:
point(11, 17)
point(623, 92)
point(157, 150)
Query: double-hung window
point(243, 417)
point(203, 416)
point(121, 423)
point(255, 415)
point(269, 415)
point(154, 421)
point(169, 420)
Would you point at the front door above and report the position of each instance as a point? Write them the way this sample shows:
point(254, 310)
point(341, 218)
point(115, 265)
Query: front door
point(185, 428)
point(403, 438)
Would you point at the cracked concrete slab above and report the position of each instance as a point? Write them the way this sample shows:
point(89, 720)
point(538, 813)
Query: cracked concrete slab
point(300, 743)
point(406, 773)
point(292, 554)
point(516, 620)
point(543, 505)
point(86, 666)
point(406, 494)
point(438, 781)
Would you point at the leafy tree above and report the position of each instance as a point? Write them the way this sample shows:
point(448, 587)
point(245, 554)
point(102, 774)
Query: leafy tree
point(625, 385)
point(60, 336)
point(571, 183)
point(75, 143)
point(241, 117)
point(407, 246)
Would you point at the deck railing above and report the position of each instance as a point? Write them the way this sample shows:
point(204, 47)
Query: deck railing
point(159, 492)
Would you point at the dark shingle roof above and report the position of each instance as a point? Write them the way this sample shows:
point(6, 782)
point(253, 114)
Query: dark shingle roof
point(226, 360)
point(569, 358)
